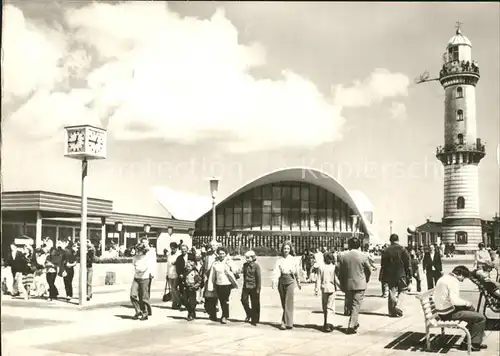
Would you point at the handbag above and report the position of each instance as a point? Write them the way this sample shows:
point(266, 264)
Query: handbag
point(232, 279)
point(167, 296)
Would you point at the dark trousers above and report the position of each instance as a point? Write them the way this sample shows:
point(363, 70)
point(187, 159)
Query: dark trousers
point(90, 274)
point(286, 292)
point(223, 293)
point(395, 289)
point(419, 281)
point(139, 295)
point(432, 278)
point(211, 307)
point(476, 323)
point(51, 280)
point(148, 306)
point(68, 281)
point(254, 312)
point(189, 299)
point(353, 300)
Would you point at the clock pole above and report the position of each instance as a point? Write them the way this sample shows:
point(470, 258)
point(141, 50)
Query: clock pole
point(83, 237)
point(85, 143)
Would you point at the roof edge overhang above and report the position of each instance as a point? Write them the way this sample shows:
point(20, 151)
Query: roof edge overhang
point(302, 174)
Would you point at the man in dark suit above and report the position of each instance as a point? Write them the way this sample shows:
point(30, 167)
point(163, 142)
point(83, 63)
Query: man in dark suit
point(432, 266)
point(180, 264)
point(354, 274)
point(396, 268)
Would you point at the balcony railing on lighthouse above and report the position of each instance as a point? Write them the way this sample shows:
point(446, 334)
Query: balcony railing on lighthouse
point(459, 67)
point(456, 147)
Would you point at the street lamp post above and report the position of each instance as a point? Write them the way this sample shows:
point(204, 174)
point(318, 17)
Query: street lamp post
point(214, 186)
point(390, 227)
point(84, 142)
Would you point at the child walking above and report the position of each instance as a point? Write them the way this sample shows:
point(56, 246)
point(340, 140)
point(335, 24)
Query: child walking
point(326, 281)
point(251, 288)
point(192, 283)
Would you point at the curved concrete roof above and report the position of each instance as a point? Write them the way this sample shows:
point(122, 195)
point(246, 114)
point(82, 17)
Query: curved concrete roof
point(311, 176)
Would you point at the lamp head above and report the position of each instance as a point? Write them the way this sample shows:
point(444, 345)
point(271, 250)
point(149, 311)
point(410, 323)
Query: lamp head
point(119, 226)
point(214, 186)
point(147, 228)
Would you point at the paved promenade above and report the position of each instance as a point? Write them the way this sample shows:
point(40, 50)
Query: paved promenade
point(57, 328)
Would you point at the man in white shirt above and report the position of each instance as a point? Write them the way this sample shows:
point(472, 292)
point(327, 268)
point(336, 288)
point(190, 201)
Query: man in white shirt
point(450, 306)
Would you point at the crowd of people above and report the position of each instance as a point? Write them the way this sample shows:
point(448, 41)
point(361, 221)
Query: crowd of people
point(209, 276)
point(32, 272)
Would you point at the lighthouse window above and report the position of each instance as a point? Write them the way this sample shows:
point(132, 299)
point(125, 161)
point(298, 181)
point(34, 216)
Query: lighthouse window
point(460, 139)
point(461, 237)
point(460, 115)
point(460, 92)
point(453, 53)
point(460, 203)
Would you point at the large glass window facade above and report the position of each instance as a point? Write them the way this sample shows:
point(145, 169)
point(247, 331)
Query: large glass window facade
point(284, 206)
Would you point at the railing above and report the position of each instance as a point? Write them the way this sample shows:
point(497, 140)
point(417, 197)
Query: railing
point(274, 242)
point(461, 148)
point(456, 67)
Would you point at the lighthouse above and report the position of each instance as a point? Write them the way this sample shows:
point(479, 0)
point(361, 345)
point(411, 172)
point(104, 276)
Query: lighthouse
point(462, 150)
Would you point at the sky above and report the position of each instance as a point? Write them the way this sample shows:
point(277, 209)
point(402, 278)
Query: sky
point(190, 90)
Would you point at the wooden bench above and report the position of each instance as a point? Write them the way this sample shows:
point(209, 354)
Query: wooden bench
point(432, 320)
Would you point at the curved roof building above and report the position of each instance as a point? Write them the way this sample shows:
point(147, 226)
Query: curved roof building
point(297, 201)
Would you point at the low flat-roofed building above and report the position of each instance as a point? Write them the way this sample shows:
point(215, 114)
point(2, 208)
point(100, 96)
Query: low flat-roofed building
point(41, 214)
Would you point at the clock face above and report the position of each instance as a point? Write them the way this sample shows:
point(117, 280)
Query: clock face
point(96, 142)
point(76, 141)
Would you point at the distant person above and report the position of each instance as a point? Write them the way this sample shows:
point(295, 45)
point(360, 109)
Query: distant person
point(415, 272)
point(222, 279)
point(252, 283)
point(450, 306)
point(482, 256)
point(354, 274)
point(432, 266)
point(52, 265)
point(144, 267)
point(396, 273)
point(326, 283)
point(172, 276)
point(15, 261)
point(483, 274)
point(210, 296)
point(192, 282)
point(27, 270)
point(180, 264)
point(67, 270)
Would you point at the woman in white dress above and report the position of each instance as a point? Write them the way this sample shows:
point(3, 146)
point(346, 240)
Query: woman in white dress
point(285, 277)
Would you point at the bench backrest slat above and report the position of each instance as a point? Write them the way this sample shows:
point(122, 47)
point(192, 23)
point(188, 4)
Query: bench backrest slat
point(429, 307)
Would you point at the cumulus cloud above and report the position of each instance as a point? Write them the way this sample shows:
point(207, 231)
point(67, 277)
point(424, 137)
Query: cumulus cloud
point(398, 110)
point(145, 72)
point(31, 55)
point(381, 84)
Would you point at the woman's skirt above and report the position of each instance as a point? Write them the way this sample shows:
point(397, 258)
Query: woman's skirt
point(28, 280)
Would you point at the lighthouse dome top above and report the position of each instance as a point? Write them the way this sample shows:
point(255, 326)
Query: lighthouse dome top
point(459, 39)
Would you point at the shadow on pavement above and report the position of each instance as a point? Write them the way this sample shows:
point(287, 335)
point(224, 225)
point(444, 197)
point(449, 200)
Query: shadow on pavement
point(125, 317)
point(415, 341)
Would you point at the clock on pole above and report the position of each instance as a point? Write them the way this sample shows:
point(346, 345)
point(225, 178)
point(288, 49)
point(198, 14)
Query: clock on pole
point(84, 142)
